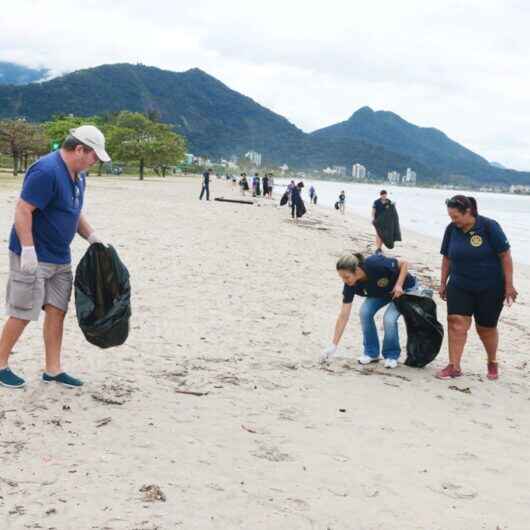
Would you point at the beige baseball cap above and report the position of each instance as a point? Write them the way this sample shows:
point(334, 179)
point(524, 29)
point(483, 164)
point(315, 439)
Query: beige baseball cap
point(92, 137)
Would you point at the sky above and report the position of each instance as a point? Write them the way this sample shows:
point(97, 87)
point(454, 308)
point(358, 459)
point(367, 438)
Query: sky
point(460, 66)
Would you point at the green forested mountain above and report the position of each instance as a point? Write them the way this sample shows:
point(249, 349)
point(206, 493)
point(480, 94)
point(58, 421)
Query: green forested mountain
point(218, 121)
point(16, 74)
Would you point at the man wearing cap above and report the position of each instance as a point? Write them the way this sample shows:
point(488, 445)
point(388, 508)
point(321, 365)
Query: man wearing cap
point(48, 214)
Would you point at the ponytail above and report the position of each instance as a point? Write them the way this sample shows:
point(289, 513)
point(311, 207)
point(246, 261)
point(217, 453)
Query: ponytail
point(350, 262)
point(474, 207)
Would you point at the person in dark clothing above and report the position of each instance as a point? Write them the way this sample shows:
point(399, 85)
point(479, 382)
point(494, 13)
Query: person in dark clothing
point(379, 280)
point(378, 208)
point(265, 184)
point(297, 205)
point(476, 279)
point(205, 185)
point(342, 202)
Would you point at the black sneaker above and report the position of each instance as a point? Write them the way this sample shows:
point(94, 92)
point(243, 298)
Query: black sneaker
point(10, 380)
point(63, 379)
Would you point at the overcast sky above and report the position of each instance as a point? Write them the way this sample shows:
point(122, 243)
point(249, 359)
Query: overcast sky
point(461, 66)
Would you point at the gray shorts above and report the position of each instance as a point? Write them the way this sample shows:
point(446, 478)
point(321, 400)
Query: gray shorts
point(27, 293)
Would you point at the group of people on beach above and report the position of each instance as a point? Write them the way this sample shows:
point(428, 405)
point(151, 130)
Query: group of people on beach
point(259, 186)
point(476, 281)
point(476, 272)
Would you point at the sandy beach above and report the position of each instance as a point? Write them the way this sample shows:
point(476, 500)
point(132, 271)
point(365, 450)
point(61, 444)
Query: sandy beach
point(236, 302)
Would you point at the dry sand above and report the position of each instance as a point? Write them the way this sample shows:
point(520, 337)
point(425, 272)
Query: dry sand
point(237, 302)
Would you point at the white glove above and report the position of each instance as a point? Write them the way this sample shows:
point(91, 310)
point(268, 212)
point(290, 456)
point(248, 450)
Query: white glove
point(93, 238)
point(28, 260)
point(327, 353)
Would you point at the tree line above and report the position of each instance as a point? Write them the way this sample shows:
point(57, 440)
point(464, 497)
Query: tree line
point(131, 138)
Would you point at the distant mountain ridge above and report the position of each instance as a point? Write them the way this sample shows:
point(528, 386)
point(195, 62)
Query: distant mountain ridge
point(218, 121)
point(16, 74)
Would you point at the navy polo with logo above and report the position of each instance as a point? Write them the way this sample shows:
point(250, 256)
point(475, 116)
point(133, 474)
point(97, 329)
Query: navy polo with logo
point(382, 274)
point(474, 255)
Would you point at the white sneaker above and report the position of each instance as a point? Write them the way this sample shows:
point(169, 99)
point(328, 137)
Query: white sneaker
point(365, 359)
point(391, 363)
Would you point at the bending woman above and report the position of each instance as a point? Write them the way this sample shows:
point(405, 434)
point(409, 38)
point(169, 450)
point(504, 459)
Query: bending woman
point(478, 263)
point(380, 280)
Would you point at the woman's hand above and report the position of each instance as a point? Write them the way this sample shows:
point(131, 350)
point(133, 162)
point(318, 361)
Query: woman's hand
point(442, 291)
point(510, 295)
point(328, 353)
point(397, 291)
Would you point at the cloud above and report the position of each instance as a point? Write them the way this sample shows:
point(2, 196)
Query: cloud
point(460, 66)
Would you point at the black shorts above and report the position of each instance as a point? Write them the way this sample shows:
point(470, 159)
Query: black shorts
point(486, 306)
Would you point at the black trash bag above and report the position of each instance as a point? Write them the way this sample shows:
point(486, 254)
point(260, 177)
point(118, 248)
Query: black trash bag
point(424, 333)
point(387, 226)
point(103, 297)
point(337, 207)
point(285, 199)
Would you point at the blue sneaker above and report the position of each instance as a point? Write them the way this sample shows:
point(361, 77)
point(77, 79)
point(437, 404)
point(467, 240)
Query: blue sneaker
point(63, 378)
point(10, 380)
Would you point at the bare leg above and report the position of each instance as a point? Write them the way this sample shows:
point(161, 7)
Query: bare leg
point(53, 338)
point(13, 328)
point(378, 242)
point(458, 326)
point(490, 339)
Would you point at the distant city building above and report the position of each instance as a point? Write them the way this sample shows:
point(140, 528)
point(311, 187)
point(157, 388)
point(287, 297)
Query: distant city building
point(340, 170)
point(409, 177)
point(254, 157)
point(358, 172)
point(394, 177)
point(188, 159)
point(519, 189)
point(284, 168)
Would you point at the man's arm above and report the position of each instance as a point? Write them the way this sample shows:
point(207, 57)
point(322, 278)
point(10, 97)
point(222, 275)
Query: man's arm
point(86, 231)
point(24, 222)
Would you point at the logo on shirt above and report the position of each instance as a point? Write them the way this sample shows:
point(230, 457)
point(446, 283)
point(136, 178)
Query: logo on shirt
point(383, 282)
point(476, 241)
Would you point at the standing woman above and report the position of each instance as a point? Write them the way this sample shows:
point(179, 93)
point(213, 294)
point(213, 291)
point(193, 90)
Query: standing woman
point(478, 264)
point(380, 280)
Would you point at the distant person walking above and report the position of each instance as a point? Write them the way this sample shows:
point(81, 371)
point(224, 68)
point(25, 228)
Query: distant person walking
point(342, 202)
point(243, 184)
point(271, 185)
point(476, 280)
point(386, 222)
point(312, 194)
point(379, 280)
point(297, 204)
point(205, 185)
point(48, 215)
point(265, 184)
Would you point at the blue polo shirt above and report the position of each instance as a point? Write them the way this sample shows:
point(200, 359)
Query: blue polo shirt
point(58, 201)
point(382, 274)
point(474, 255)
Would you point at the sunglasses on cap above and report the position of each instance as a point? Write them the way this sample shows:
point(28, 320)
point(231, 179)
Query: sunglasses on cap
point(458, 203)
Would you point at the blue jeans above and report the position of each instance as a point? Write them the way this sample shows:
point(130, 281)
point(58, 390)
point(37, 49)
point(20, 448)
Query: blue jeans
point(391, 347)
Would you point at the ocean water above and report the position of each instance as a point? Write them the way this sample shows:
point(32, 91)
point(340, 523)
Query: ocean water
point(423, 210)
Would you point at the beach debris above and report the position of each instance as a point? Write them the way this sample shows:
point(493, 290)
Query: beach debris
point(455, 491)
point(342, 410)
point(103, 421)
point(17, 510)
point(9, 482)
point(66, 407)
point(465, 390)
point(273, 454)
point(191, 392)
point(248, 429)
point(306, 333)
point(107, 401)
point(51, 511)
point(152, 493)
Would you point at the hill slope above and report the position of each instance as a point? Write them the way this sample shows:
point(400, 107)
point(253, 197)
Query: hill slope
point(218, 121)
point(16, 74)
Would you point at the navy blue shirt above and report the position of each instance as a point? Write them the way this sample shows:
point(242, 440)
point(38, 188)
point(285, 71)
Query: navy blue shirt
point(475, 261)
point(380, 207)
point(382, 274)
point(58, 201)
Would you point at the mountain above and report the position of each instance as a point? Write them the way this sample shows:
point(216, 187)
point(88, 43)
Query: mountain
point(218, 121)
point(498, 164)
point(428, 146)
point(16, 74)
